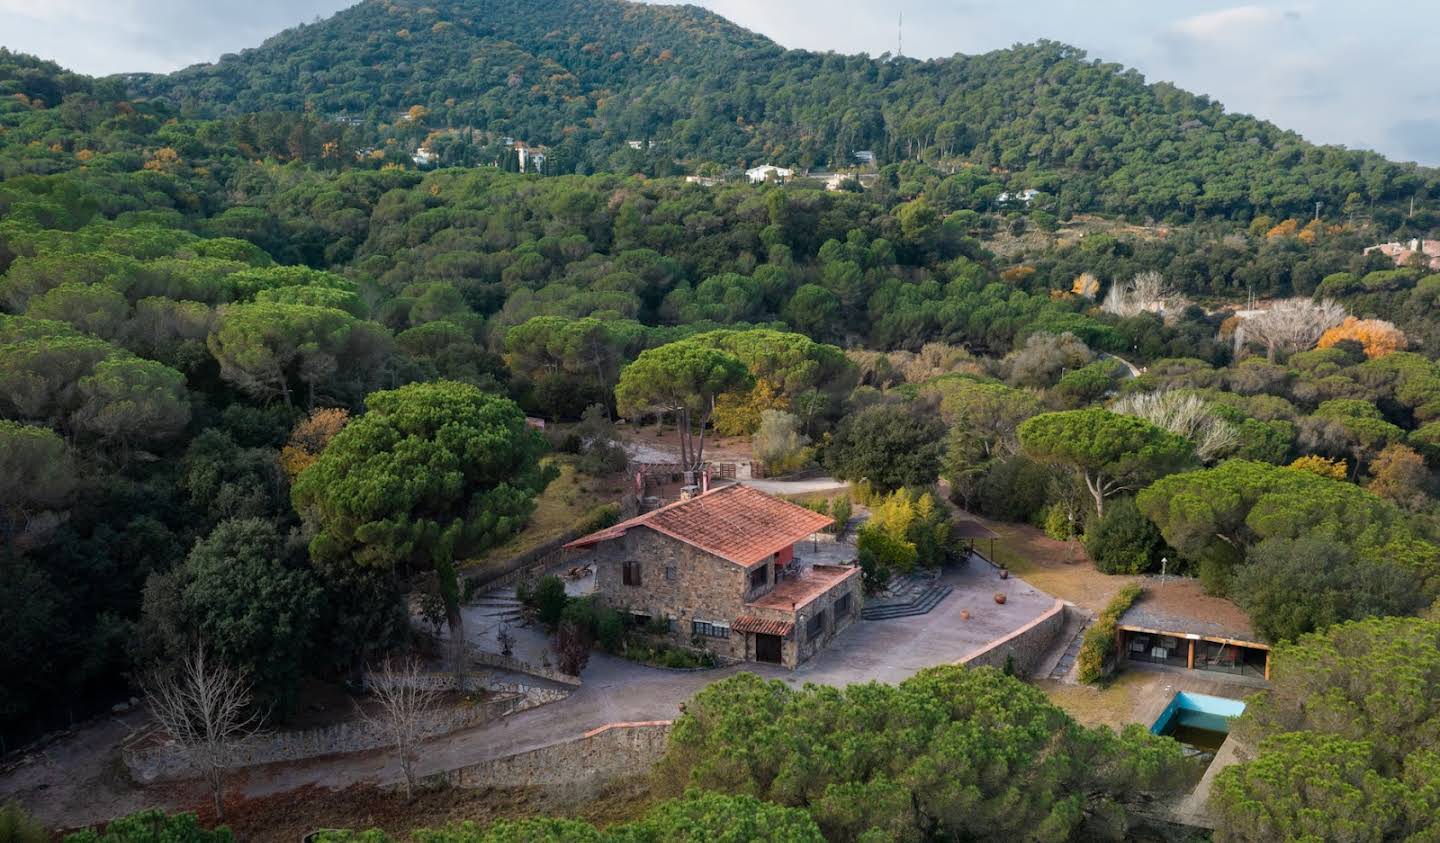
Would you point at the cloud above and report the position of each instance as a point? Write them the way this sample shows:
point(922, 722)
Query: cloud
point(54, 10)
point(1229, 24)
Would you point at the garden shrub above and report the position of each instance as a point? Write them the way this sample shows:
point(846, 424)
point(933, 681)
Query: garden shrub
point(1058, 524)
point(1124, 541)
point(549, 600)
point(600, 517)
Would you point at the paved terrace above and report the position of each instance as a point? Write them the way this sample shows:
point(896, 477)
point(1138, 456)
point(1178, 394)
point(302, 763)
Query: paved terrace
point(806, 583)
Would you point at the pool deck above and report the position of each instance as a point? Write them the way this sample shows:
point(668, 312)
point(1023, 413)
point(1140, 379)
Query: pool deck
point(1193, 809)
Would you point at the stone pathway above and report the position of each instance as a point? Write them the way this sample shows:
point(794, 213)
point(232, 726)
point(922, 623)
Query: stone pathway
point(1065, 666)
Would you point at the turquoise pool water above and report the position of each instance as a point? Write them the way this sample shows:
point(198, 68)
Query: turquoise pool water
point(1199, 720)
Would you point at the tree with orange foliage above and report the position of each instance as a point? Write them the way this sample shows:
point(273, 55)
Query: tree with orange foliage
point(309, 438)
point(1399, 474)
point(1378, 336)
point(164, 160)
point(1286, 228)
point(1333, 469)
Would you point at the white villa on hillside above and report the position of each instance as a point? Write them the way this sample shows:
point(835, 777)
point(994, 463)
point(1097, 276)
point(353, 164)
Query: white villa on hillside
point(1022, 196)
point(762, 173)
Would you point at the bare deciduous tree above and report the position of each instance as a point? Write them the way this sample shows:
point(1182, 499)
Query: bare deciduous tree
point(1185, 415)
point(1290, 325)
point(206, 707)
point(404, 697)
point(1147, 292)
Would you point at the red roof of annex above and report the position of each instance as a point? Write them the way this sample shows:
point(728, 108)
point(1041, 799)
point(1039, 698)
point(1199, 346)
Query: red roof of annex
point(735, 522)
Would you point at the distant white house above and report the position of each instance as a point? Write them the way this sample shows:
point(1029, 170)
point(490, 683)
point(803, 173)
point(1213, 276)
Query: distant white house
point(865, 156)
point(424, 157)
point(532, 158)
point(762, 173)
point(639, 144)
point(834, 181)
point(1023, 196)
point(703, 181)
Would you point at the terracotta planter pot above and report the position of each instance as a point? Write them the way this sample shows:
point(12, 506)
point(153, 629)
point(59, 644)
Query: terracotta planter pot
point(1000, 597)
point(964, 614)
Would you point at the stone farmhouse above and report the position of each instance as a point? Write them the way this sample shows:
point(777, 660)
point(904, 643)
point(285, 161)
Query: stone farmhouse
point(734, 571)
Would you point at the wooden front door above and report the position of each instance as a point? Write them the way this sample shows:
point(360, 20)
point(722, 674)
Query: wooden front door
point(767, 648)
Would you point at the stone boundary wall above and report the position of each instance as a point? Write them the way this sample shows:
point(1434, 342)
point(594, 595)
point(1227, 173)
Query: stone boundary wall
point(1025, 646)
point(150, 758)
point(518, 567)
point(498, 660)
point(575, 770)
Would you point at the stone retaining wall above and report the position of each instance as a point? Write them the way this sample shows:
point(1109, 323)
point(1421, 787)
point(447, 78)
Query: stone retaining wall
point(1025, 647)
point(504, 662)
point(532, 562)
point(150, 757)
point(576, 770)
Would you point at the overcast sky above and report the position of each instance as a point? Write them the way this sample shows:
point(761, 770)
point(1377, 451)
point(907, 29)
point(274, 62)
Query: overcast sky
point(1338, 71)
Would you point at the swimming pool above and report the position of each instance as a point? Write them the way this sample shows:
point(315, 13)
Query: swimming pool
point(1200, 720)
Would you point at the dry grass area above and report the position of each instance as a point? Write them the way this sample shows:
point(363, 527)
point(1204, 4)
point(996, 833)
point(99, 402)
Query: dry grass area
point(1059, 568)
point(564, 503)
point(1115, 704)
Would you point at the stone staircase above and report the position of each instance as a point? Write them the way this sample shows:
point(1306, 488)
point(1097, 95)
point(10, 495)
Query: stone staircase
point(1066, 664)
point(914, 595)
point(498, 608)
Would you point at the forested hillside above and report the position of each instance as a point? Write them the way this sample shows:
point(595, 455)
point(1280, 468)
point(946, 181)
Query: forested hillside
point(264, 379)
point(585, 76)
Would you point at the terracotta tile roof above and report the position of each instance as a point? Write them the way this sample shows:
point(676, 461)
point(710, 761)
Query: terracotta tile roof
point(736, 522)
point(761, 626)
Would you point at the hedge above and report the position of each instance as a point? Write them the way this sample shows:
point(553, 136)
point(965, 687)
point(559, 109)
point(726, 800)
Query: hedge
point(1098, 648)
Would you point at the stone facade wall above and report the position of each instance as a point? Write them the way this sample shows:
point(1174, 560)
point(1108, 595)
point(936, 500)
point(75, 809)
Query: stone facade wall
point(150, 759)
point(708, 588)
point(1025, 647)
point(703, 588)
point(833, 624)
point(575, 770)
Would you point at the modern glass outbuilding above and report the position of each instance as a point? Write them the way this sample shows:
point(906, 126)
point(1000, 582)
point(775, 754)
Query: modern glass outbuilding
point(1175, 624)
